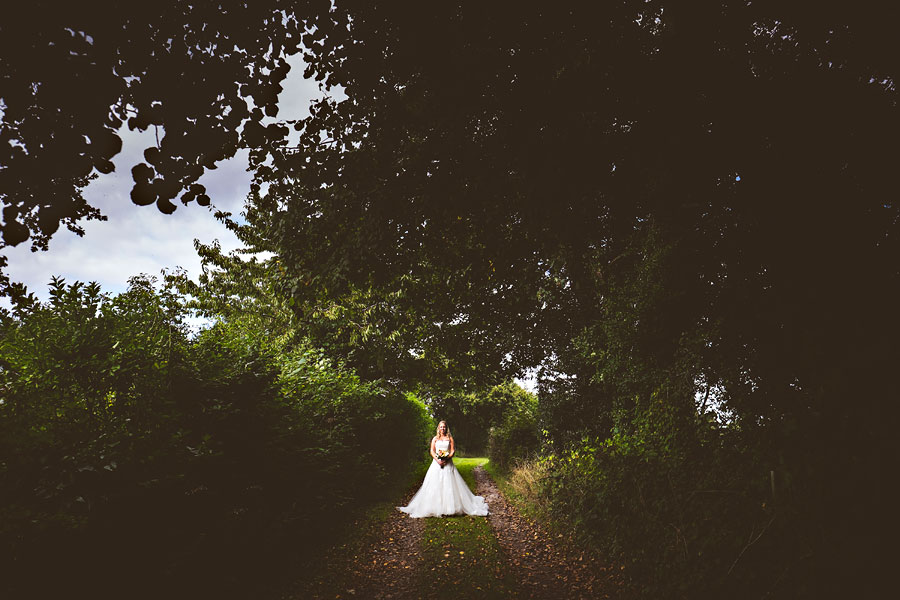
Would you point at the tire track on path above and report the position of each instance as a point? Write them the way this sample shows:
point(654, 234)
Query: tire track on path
point(544, 568)
point(386, 564)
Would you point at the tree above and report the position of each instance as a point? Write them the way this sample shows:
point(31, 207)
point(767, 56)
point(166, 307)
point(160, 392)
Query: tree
point(493, 175)
point(71, 75)
point(484, 167)
point(656, 202)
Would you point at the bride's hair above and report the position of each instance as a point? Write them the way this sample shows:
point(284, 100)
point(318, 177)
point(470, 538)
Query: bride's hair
point(438, 430)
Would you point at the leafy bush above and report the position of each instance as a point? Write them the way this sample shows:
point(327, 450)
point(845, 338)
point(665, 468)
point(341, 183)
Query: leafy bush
point(518, 436)
point(691, 512)
point(202, 465)
point(473, 415)
point(718, 423)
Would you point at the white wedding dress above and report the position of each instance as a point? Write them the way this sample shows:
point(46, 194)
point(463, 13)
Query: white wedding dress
point(444, 492)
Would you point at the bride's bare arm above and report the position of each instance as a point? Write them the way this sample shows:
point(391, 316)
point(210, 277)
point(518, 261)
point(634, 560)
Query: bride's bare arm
point(433, 451)
point(452, 447)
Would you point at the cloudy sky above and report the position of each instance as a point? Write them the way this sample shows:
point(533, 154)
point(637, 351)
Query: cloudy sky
point(140, 239)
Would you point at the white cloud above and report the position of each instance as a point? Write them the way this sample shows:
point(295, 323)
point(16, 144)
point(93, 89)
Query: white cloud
point(297, 92)
point(134, 239)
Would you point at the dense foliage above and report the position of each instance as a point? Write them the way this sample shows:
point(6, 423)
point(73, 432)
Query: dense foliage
point(71, 75)
point(517, 436)
point(474, 416)
point(203, 465)
point(682, 213)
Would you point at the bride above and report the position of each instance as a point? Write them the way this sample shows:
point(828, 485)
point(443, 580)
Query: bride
point(444, 492)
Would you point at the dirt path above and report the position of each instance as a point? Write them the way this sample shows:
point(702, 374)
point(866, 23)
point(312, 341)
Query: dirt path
point(385, 563)
point(390, 566)
point(388, 563)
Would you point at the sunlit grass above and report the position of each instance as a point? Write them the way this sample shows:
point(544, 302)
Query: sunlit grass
point(466, 467)
point(462, 551)
point(521, 486)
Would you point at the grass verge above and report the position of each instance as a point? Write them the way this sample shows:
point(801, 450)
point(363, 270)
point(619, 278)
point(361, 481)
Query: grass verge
point(462, 551)
point(520, 486)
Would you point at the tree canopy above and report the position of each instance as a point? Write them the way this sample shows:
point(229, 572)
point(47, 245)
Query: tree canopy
point(683, 214)
point(489, 174)
point(72, 75)
point(492, 175)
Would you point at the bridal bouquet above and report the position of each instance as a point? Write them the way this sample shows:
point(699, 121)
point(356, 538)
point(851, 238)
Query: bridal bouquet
point(443, 455)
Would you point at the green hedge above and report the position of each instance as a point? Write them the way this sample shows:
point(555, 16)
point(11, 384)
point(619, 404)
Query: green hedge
point(134, 457)
point(690, 510)
point(518, 436)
